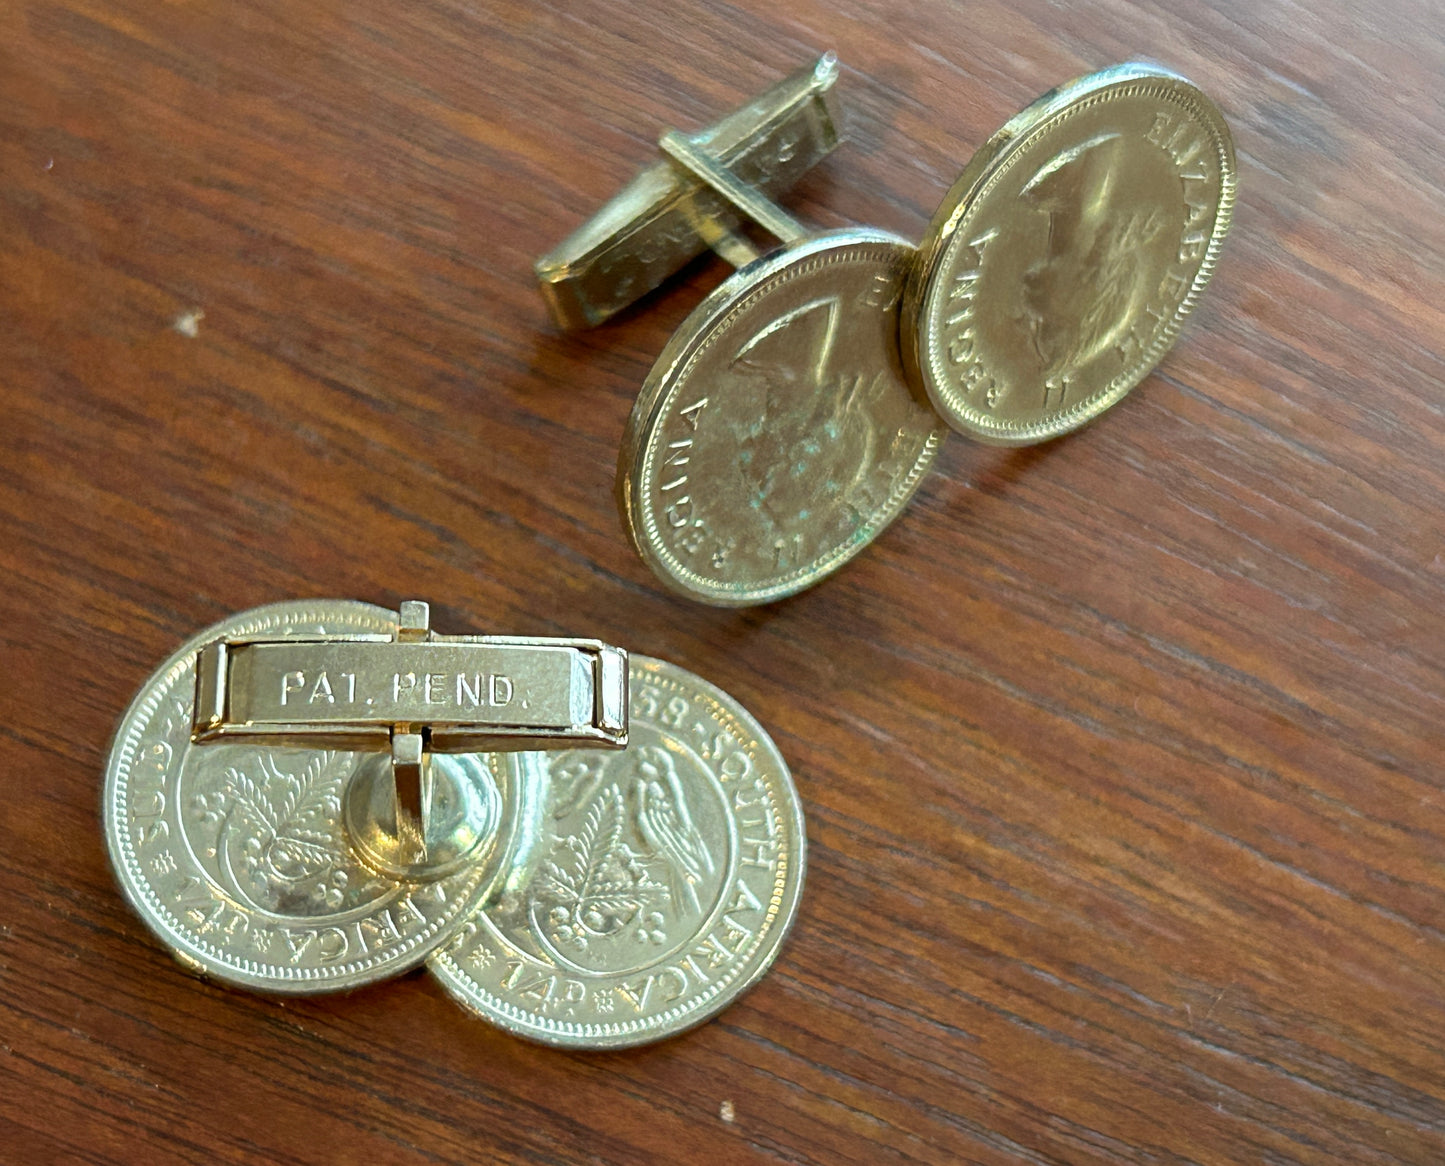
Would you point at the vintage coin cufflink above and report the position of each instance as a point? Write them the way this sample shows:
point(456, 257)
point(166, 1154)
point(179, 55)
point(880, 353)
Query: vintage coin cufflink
point(782, 428)
point(659, 886)
point(316, 795)
point(776, 434)
point(1062, 263)
point(298, 799)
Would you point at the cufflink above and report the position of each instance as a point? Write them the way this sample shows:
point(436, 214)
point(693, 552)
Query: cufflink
point(794, 413)
point(588, 849)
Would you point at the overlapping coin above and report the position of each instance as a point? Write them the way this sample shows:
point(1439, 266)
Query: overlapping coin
point(1062, 263)
point(776, 434)
point(662, 881)
point(619, 896)
point(236, 856)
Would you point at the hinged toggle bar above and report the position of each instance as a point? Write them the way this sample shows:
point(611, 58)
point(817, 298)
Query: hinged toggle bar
point(410, 696)
point(471, 694)
point(669, 215)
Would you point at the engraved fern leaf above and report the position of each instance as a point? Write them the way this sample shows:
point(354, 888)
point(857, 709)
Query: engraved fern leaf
point(291, 814)
point(308, 797)
point(557, 883)
point(587, 851)
point(251, 800)
point(613, 905)
point(594, 875)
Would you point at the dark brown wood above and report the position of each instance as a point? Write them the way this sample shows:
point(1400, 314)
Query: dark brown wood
point(1122, 756)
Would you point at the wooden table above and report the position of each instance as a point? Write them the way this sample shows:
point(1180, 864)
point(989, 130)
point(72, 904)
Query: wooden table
point(1122, 756)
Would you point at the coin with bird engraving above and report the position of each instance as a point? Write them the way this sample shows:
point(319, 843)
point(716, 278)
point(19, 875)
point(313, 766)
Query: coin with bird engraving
point(236, 856)
point(660, 884)
point(776, 435)
point(1059, 268)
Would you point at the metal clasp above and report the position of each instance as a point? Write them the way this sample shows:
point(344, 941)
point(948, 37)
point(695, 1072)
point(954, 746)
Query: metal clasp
point(695, 199)
point(408, 697)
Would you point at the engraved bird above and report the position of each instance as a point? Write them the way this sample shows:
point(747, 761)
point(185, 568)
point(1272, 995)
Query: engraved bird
point(667, 827)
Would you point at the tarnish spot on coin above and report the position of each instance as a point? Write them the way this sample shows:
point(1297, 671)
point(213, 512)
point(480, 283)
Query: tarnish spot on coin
point(235, 855)
point(776, 436)
point(1063, 262)
point(663, 884)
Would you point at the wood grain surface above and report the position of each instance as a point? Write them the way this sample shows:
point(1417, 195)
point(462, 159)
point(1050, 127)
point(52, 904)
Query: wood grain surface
point(1121, 756)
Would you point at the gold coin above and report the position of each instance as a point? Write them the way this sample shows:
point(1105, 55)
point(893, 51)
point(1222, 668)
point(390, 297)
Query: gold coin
point(776, 435)
point(661, 883)
point(236, 856)
point(1064, 260)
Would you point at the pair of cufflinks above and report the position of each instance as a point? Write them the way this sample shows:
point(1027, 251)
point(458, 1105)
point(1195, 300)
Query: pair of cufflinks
point(796, 410)
point(598, 851)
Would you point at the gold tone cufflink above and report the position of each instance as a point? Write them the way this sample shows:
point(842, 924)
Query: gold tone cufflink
point(775, 435)
point(796, 410)
point(588, 849)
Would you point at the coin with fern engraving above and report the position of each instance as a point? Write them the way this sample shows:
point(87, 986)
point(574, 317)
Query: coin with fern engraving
point(660, 884)
point(236, 856)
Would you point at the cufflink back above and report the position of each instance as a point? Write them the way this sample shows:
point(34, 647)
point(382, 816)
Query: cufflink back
point(294, 803)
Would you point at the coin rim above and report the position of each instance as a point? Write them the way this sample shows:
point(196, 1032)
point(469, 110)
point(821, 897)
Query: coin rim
point(690, 338)
point(992, 158)
point(476, 1000)
point(138, 889)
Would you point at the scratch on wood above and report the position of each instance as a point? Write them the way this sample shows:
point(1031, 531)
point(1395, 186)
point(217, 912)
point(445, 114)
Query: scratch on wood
point(1213, 1004)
